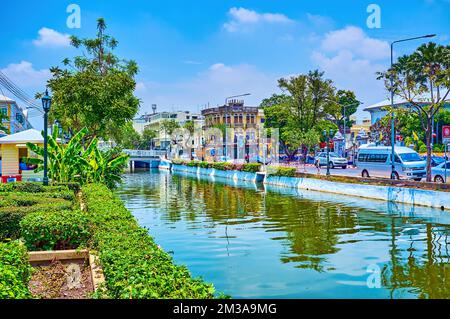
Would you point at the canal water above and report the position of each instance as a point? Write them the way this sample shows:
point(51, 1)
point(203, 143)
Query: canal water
point(252, 241)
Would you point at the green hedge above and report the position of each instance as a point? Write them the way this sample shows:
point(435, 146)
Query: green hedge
point(15, 271)
point(11, 216)
point(281, 171)
point(251, 167)
point(55, 230)
point(134, 266)
point(224, 166)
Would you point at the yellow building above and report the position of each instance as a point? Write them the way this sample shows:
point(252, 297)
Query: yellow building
point(13, 149)
point(243, 124)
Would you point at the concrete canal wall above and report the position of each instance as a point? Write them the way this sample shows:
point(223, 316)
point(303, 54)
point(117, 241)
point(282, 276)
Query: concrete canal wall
point(405, 195)
point(412, 196)
point(233, 175)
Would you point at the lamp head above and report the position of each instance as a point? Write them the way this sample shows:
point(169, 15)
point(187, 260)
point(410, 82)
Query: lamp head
point(46, 101)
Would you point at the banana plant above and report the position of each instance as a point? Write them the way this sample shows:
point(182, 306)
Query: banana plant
point(75, 162)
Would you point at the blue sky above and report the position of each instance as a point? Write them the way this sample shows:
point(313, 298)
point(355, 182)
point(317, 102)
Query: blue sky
point(192, 53)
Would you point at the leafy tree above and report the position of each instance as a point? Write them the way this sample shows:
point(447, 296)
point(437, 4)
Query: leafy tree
point(147, 138)
point(426, 71)
point(169, 126)
point(94, 90)
point(306, 100)
point(346, 105)
point(129, 138)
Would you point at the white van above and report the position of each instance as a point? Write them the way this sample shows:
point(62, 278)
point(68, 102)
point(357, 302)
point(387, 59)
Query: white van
point(375, 161)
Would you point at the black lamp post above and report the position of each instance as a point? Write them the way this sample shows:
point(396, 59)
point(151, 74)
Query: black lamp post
point(327, 136)
point(46, 104)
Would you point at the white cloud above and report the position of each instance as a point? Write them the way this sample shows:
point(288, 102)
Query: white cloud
point(351, 59)
point(355, 40)
point(51, 38)
point(241, 17)
point(24, 75)
point(212, 86)
point(319, 21)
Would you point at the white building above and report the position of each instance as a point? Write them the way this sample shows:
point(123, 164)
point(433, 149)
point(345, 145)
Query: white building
point(378, 110)
point(153, 122)
point(17, 120)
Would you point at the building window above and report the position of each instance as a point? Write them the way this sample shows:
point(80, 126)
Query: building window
point(4, 110)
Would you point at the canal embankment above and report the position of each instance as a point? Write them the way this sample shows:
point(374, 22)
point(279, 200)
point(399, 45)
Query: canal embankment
point(406, 192)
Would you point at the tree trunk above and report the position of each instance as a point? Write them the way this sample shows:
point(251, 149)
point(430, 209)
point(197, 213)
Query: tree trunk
point(429, 134)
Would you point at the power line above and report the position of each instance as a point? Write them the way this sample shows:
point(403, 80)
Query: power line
point(33, 107)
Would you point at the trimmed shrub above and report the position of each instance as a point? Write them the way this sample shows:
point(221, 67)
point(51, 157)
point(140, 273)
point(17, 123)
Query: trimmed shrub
point(251, 167)
point(55, 230)
point(204, 164)
point(281, 171)
point(134, 266)
point(179, 162)
point(22, 187)
point(10, 216)
point(15, 271)
point(193, 163)
point(224, 166)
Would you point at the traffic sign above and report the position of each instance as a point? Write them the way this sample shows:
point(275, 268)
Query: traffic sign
point(446, 134)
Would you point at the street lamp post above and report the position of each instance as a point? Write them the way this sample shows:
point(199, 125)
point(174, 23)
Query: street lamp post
point(46, 104)
point(393, 174)
point(226, 119)
point(327, 136)
point(345, 117)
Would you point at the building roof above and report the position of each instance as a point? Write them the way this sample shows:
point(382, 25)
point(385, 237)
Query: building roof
point(6, 99)
point(31, 135)
point(424, 98)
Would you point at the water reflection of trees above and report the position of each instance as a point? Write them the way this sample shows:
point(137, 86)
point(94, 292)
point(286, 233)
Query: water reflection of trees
point(311, 231)
point(424, 271)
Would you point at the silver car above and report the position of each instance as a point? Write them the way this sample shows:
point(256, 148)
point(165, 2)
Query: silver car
point(440, 174)
point(335, 160)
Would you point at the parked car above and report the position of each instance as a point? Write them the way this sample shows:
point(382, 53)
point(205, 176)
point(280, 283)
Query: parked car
point(375, 161)
point(439, 174)
point(435, 160)
point(335, 160)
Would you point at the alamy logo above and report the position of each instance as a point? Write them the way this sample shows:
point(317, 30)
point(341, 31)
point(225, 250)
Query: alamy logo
point(374, 19)
point(74, 19)
point(374, 279)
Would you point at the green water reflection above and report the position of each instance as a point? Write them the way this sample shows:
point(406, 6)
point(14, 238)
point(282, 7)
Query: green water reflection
point(253, 242)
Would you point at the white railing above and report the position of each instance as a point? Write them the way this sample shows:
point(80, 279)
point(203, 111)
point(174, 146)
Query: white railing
point(144, 153)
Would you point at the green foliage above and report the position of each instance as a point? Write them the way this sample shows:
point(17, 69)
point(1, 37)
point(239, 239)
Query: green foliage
point(55, 230)
point(193, 164)
point(223, 166)
point(309, 99)
point(134, 266)
point(15, 205)
point(94, 90)
point(80, 163)
point(15, 271)
point(281, 171)
point(178, 161)
point(130, 139)
point(424, 72)
point(251, 167)
point(204, 164)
